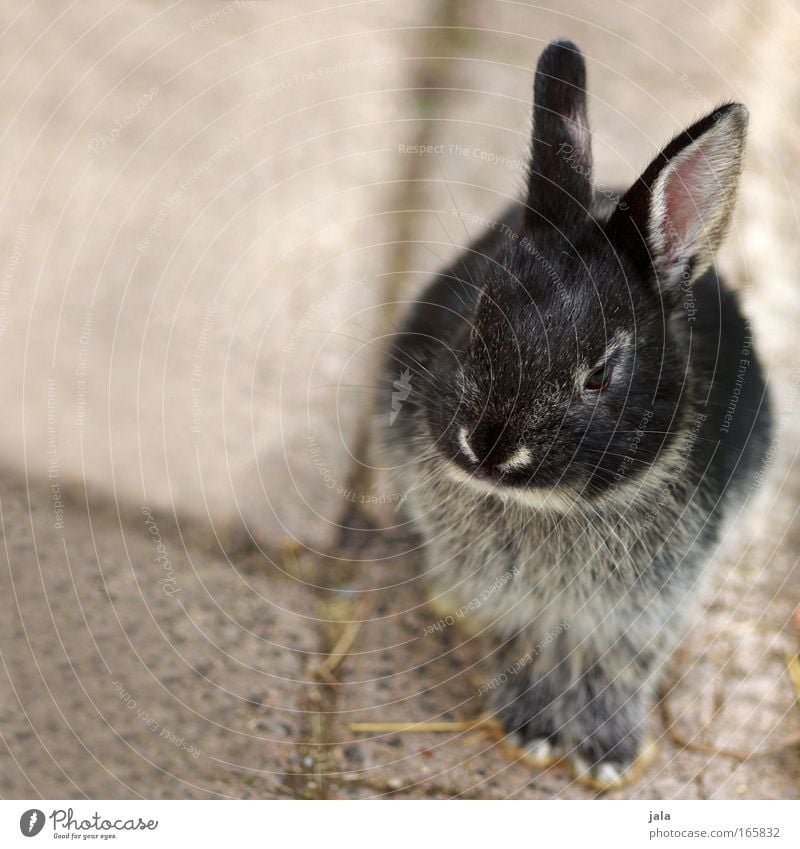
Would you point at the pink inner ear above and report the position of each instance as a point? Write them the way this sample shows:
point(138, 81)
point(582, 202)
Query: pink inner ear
point(687, 198)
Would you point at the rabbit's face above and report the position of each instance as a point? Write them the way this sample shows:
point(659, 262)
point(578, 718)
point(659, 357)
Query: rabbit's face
point(561, 385)
point(564, 377)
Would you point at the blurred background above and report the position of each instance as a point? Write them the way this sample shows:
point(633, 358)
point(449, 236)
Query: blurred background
point(212, 214)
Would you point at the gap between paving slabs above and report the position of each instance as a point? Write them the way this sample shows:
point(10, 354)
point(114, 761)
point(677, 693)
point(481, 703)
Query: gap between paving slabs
point(337, 640)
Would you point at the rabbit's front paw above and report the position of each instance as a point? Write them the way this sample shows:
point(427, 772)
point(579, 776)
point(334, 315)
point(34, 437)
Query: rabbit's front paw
point(604, 774)
point(593, 725)
point(612, 772)
point(603, 724)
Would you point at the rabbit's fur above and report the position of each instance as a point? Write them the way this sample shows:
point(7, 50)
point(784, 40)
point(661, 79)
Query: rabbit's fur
point(584, 409)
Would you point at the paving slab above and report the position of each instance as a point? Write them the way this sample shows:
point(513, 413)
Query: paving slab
point(198, 206)
point(137, 663)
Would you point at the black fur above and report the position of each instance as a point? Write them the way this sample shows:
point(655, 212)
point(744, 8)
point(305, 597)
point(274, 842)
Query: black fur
point(645, 470)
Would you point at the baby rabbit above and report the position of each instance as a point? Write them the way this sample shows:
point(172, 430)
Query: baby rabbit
point(582, 408)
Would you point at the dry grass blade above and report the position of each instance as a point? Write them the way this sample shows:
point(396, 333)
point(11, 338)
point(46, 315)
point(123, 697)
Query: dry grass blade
point(685, 742)
point(345, 642)
point(486, 722)
point(793, 665)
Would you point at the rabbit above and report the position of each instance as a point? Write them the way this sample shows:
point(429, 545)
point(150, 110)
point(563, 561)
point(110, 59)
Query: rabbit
point(574, 410)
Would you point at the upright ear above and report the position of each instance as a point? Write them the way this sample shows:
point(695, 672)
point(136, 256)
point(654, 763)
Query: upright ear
point(673, 219)
point(560, 178)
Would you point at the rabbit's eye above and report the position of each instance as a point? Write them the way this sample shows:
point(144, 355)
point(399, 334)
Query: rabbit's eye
point(599, 378)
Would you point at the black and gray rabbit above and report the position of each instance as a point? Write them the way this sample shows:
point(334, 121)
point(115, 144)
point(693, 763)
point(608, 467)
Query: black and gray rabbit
point(582, 413)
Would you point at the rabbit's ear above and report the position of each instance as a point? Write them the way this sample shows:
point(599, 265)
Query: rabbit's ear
point(560, 178)
point(673, 219)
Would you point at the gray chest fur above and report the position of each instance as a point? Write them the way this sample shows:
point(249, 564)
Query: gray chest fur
point(625, 569)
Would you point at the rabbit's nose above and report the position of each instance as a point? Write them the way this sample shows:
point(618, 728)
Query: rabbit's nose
point(491, 438)
point(487, 447)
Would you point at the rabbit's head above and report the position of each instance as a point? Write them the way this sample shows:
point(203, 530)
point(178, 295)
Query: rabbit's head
point(570, 372)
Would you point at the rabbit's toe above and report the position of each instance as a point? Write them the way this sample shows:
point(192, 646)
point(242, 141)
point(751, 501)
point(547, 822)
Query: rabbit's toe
point(541, 752)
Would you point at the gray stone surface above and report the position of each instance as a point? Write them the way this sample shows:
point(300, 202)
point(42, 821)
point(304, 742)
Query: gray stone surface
point(197, 203)
point(190, 309)
point(137, 670)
